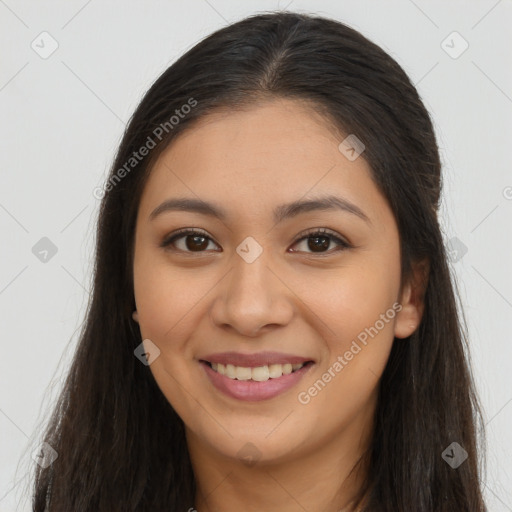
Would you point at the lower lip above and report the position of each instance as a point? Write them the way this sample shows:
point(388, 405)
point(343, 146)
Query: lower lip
point(253, 391)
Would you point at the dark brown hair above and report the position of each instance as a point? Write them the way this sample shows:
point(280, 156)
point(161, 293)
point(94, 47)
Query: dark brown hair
point(121, 445)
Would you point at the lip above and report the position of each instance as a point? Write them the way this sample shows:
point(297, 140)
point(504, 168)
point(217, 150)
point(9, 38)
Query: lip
point(254, 360)
point(252, 391)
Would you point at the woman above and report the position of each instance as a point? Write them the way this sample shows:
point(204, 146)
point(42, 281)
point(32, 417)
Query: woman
point(273, 324)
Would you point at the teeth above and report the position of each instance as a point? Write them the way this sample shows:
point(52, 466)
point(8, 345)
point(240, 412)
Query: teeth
point(230, 371)
point(241, 373)
point(258, 374)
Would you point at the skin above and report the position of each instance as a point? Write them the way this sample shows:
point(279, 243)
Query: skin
point(307, 303)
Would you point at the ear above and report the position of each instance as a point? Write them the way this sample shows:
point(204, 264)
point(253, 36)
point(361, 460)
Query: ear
point(135, 316)
point(412, 300)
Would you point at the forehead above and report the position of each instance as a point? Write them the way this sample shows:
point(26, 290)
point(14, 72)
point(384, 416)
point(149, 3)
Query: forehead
point(261, 134)
point(266, 154)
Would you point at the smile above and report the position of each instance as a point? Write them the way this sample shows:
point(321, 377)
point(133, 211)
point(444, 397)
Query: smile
point(256, 383)
point(258, 374)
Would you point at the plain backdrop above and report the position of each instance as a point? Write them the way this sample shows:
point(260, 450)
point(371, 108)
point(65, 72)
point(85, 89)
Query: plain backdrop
point(71, 74)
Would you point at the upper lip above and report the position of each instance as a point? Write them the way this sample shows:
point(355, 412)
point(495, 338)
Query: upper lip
point(254, 360)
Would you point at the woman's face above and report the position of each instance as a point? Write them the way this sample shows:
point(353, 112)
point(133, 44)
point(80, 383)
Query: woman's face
point(251, 290)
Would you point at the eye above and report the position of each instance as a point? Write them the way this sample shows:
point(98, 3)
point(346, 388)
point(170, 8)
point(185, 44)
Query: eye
point(320, 238)
point(196, 240)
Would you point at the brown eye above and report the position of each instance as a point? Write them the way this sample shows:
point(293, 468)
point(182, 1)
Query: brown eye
point(194, 241)
point(318, 241)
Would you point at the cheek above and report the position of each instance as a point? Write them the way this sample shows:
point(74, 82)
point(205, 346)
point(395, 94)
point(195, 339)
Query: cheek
point(354, 298)
point(170, 302)
point(359, 323)
point(165, 301)
point(358, 310)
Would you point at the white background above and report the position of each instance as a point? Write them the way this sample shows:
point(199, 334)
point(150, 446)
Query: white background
point(61, 121)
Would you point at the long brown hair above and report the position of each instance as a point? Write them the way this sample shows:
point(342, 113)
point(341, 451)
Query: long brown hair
point(120, 444)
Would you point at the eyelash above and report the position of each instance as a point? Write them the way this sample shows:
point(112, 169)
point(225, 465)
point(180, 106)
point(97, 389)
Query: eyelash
point(312, 233)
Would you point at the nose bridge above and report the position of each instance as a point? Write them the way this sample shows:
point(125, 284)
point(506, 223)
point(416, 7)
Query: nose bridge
point(251, 269)
point(251, 283)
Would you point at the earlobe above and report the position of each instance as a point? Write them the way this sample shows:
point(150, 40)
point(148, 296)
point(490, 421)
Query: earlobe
point(412, 301)
point(135, 316)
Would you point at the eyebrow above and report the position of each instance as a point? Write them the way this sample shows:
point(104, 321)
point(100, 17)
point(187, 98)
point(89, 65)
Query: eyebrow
point(284, 211)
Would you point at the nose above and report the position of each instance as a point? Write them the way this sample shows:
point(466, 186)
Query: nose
point(252, 298)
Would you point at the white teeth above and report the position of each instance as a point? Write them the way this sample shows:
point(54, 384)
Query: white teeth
point(259, 374)
point(230, 371)
point(242, 373)
point(287, 368)
point(275, 371)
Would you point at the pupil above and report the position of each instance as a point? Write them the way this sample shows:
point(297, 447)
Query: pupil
point(199, 247)
point(314, 246)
